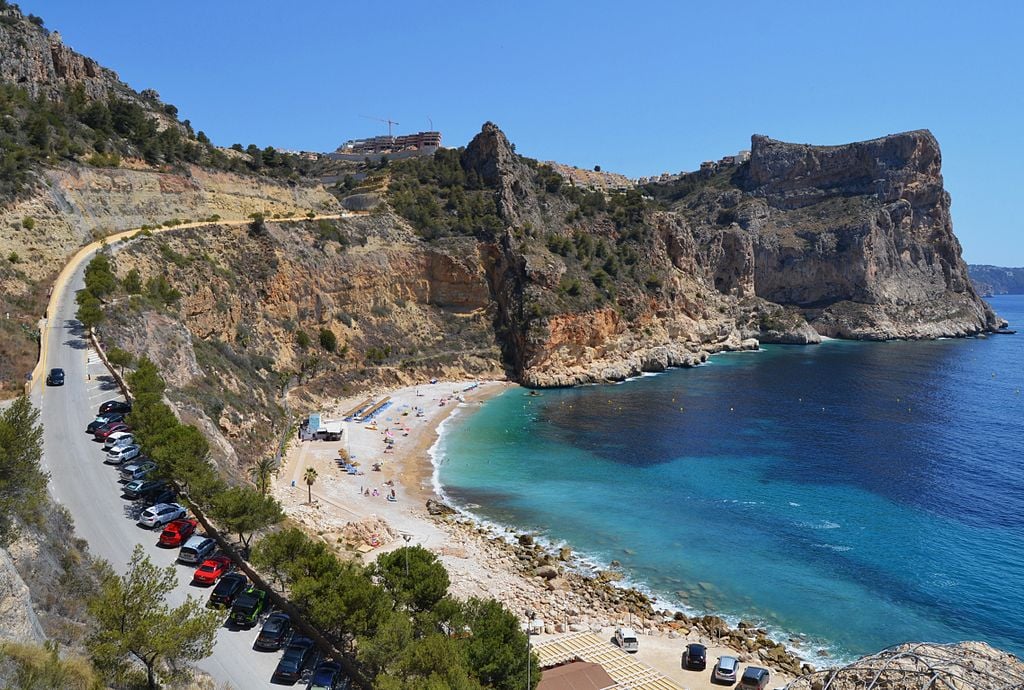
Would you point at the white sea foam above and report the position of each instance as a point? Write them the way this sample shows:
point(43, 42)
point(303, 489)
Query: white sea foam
point(832, 547)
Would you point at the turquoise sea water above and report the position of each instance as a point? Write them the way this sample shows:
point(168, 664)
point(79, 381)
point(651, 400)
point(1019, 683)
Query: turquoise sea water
point(859, 494)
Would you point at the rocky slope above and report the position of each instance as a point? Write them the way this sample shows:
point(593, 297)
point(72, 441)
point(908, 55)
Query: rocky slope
point(64, 196)
point(399, 311)
point(997, 280)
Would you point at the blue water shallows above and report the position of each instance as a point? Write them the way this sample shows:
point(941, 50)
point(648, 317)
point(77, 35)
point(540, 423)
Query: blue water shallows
point(859, 494)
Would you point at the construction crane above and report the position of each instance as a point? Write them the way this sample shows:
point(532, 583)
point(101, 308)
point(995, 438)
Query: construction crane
point(379, 119)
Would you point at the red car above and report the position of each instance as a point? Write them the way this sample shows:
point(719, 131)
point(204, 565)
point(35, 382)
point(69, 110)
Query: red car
point(177, 532)
point(107, 429)
point(211, 570)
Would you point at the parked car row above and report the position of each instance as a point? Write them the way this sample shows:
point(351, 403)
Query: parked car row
point(246, 605)
point(726, 670)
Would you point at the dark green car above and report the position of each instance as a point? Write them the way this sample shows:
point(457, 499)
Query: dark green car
point(247, 607)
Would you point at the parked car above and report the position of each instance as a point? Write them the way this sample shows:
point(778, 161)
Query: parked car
point(55, 377)
point(137, 470)
point(161, 514)
point(119, 454)
point(626, 639)
point(110, 428)
point(275, 633)
point(754, 678)
point(157, 491)
point(136, 489)
point(211, 570)
point(247, 607)
point(107, 418)
point(295, 659)
point(115, 406)
point(695, 657)
point(725, 670)
point(196, 550)
point(227, 590)
point(119, 438)
point(177, 532)
point(327, 676)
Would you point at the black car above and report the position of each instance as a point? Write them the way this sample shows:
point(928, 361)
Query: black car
point(160, 491)
point(276, 631)
point(55, 377)
point(695, 657)
point(115, 406)
point(328, 676)
point(246, 610)
point(754, 678)
point(227, 590)
point(295, 659)
point(147, 488)
point(105, 418)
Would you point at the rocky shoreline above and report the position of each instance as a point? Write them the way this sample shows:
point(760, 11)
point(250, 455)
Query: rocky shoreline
point(568, 595)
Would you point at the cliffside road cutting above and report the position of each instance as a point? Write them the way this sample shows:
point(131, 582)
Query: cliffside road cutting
point(89, 489)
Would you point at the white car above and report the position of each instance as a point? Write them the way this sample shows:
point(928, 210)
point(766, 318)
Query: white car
point(115, 456)
point(161, 514)
point(118, 438)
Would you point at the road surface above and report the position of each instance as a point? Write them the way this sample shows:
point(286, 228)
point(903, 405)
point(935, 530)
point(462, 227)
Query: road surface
point(89, 489)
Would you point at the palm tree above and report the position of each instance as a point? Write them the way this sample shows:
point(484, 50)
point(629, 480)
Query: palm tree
point(310, 477)
point(262, 471)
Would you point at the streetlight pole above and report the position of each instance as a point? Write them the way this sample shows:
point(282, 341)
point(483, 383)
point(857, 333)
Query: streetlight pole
point(530, 615)
point(407, 538)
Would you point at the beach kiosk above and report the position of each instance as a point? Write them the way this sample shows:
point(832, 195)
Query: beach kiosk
point(316, 428)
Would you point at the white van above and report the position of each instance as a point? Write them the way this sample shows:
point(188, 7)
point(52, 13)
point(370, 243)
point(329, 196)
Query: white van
point(626, 639)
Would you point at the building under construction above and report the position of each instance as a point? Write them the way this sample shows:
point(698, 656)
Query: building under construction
point(426, 142)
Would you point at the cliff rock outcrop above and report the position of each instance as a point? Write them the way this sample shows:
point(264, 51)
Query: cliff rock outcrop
point(860, 238)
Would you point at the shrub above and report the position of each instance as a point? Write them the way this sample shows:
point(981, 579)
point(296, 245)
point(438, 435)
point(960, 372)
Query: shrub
point(328, 340)
point(14, 258)
point(302, 339)
point(28, 222)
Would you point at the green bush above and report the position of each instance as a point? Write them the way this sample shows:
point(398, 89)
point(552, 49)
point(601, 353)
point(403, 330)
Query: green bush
point(328, 340)
point(28, 222)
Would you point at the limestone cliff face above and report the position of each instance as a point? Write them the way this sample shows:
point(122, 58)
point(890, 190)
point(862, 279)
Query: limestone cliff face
point(860, 238)
point(39, 61)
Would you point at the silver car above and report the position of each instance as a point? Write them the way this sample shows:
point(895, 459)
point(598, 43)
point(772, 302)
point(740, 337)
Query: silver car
point(161, 514)
point(119, 454)
point(726, 669)
point(137, 470)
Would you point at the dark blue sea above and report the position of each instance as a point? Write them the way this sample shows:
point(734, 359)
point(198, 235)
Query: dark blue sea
point(855, 494)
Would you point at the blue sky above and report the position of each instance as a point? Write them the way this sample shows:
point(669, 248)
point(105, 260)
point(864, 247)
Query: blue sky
point(637, 88)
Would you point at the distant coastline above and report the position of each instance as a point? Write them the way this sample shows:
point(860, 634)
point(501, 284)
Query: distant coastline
point(996, 280)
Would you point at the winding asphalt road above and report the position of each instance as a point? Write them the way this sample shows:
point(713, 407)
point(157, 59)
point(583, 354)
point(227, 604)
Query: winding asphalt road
point(89, 489)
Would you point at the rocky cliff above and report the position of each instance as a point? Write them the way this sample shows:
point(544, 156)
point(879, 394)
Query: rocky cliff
point(860, 238)
point(37, 59)
point(857, 238)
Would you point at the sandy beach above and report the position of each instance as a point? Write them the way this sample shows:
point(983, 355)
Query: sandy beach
point(352, 513)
